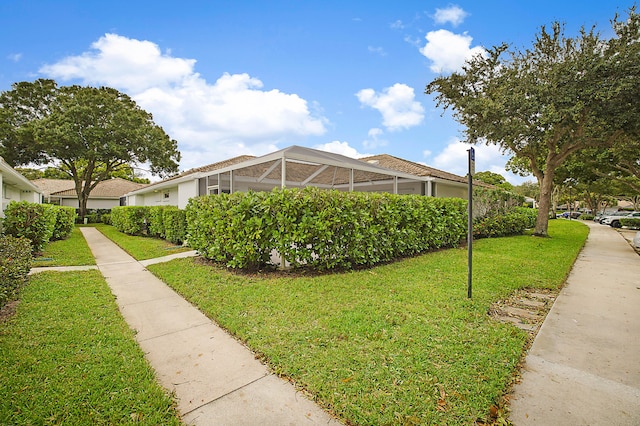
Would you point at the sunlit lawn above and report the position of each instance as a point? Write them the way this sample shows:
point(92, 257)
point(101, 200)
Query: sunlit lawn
point(68, 357)
point(72, 251)
point(396, 344)
point(141, 248)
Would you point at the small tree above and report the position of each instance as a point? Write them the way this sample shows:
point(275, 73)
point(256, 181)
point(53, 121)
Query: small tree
point(550, 101)
point(90, 133)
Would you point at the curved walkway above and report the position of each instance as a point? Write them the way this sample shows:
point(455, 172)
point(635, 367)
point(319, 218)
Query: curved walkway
point(216, 379)
point(584, 365)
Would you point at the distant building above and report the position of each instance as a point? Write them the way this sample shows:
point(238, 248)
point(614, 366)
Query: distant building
point(16, 187)
point(107, 194)
point(297, 167)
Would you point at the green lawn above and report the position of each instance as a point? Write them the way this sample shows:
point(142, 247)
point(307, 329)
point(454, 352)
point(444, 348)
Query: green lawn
point(73, 251)
point(68, 357)
point(141, 248)
point(396, 344)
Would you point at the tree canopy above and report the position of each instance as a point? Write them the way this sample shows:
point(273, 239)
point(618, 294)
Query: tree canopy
point(545, 103)
point(493, 179)
point(92, 134)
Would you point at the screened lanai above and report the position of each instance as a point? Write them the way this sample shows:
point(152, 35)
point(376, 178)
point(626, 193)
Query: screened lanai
point(297, 167)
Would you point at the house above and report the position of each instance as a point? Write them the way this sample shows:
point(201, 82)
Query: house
point(107, 193)
point(297, 167)
point(16, 187)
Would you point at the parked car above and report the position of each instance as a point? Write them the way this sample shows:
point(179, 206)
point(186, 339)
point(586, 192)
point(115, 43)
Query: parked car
point(604, 217)
point(573, 215)
point(615, 221)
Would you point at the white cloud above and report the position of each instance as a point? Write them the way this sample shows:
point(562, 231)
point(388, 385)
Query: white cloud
point(397, 25)
point(342, 148)
point(375, 139)
point(378, 50)
point(397, 105)
point(454, 159)
point(449, 51)
point(15, 57)
point(452, 14)
point(211, 122)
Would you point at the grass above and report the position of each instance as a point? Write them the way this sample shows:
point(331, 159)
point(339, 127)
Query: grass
point(73, 251)
point(141, 248)
point(68, 357)
point(396, 344)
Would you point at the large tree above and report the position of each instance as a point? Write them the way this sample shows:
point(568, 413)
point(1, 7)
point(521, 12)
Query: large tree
point(90, 133)
point(545, 103)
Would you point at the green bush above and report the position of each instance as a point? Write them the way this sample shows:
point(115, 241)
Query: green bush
point(512, 223)
point(65, 219)
point(175, 224)
point(106, 218)
point(129, 219)
point(35, 222)
point(321, 229)
point(586, 216)
point(15, 263)
point(155, 222)
point(631, 222)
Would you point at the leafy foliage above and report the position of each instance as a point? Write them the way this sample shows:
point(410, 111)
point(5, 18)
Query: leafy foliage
point(155, 222)
point(15, 263)
point(36, 222)
point(496, 213)
point(321, 229)
point(548, 102)
point(175, 224)
point(631, 222)
point(90, 133)
point(129, 219)
point(65, 220)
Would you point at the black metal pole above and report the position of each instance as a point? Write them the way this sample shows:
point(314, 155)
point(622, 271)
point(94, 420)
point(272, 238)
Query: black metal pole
point(470, 223)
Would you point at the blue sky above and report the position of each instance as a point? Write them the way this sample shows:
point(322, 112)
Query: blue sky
point(226, 78)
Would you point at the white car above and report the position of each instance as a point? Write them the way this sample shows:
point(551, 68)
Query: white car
point(615, 220)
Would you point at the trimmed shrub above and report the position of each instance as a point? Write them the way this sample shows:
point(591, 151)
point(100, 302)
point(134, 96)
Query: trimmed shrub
point(513, 223)
point(129, 219)
point(155, 222)
point(65, 219)
point(496, 213)
point(631, 222)
point(175, 224)
point(106, 218)
point(586, 216)
point(35, 222)
point(321, 229)
point(15, 263)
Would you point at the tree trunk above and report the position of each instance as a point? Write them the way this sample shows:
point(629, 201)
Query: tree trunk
point(82, 206)
point(542, 221)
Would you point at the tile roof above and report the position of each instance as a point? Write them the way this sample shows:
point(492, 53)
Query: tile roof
point(111, 188)
point(406, 166)
point(208, 168)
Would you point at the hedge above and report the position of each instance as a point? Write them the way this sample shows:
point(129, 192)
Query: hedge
point(319, 228)
point(35, 222)
point(155, 222)
point(15, 263)
point(631, 222)
point(175, 224)
point(130, 219)
point(65, 220)
point(513, 223)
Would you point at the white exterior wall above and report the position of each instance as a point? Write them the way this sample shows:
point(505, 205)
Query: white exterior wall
point(186, 191)
point(11, 193)
point(100, 203)
point(449, 191)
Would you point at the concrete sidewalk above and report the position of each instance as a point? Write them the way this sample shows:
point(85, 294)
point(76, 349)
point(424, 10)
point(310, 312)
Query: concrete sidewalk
point(584, 365)
point(216, 379)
